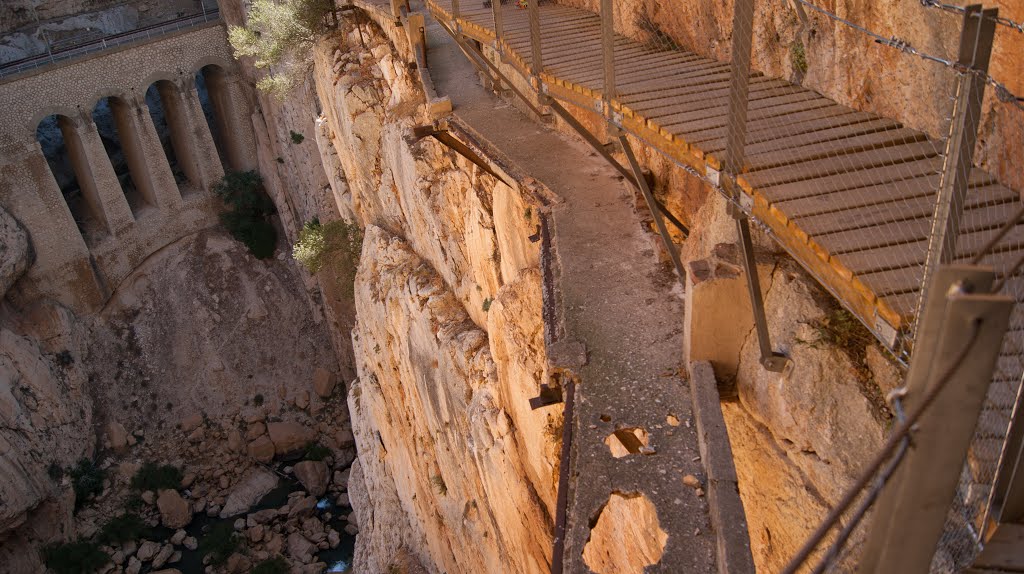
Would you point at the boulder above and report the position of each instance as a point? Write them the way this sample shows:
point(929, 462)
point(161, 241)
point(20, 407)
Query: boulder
point(324, 382)
point(253, 486)
point(289, 437)
point(261, 449)
point(191, 422)
point(117, 437)
point(302, 507)
point(313, 476)
point(163, 556)
point(299, 548)
point(174, 510)
point(147, 550)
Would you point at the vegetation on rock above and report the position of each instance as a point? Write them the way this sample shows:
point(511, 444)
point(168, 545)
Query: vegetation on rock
point(87, 480)
point(335, 245)
point(152, 476)
point(275, 565)
point(280, 34)
point(123, 528)
point(80, 557)
point(250, 208)
point(317, 452)
point(219, 543)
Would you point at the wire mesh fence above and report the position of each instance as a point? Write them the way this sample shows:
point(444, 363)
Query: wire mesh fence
point(865, 178)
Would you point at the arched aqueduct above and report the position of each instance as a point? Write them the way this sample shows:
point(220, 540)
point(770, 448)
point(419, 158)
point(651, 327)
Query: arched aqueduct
point(84, 248)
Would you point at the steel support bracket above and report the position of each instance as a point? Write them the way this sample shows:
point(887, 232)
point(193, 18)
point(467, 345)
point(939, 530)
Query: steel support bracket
point(549, 395)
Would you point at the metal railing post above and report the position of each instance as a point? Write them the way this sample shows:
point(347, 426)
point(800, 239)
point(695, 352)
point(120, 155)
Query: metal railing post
point(736, 136)
point(536, 57)
point(975, 51)
point(456, 12)
point(608, 50)
point(499, 24)
point(961, 318)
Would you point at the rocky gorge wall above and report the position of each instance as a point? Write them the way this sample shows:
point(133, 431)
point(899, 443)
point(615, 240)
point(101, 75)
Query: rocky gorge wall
point(448, 345)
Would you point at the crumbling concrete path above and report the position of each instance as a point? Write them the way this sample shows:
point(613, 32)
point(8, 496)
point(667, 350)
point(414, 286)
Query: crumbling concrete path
point(617, 300)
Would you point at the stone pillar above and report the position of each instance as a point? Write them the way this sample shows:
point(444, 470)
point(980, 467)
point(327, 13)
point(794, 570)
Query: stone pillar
point(190, 134)
point(61, 268)
point(231, 111)
point(143, 152)
point(96, 177)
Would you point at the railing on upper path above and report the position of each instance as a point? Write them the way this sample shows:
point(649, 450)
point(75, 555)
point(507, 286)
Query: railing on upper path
point(92, 45)
point(872, 208)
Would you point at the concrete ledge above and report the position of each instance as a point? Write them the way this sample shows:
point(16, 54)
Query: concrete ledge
point(726, 509)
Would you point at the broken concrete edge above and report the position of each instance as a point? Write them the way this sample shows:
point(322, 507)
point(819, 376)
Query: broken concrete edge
point(728, 518)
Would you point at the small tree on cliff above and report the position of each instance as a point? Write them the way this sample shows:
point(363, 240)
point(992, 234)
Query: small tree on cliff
point(280, 35)
point(334, 246)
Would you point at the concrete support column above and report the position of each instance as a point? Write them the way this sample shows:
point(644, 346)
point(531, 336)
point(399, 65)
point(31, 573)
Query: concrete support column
point(100, 186)
point(144, 153)
point(190, 135)
point(231, 110)
point(61, 269)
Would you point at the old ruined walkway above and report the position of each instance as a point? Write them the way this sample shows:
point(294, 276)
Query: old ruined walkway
point(616, 301)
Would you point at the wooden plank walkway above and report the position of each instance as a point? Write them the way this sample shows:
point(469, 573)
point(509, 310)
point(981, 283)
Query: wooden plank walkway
point(849, 194)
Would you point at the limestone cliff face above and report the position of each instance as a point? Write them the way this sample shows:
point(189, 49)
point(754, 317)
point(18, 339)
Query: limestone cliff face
point(454, 468)
point(431, 416)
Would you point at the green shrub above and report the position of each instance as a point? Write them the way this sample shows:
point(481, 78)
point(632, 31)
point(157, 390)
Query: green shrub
point(297, 138)
point(258, 400)
point(155, 477)
point(275, 565)
point(335, 245)
point(219, 543)
point(487, 304)
point(249, 211)
point(55, 471)
point(798, 57)
point(280, 34)
point(317, 451)
point(123, 528)
point(87, 480)
point(439, 484)
point(80, 557)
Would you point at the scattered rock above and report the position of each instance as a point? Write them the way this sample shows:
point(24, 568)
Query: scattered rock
point(343, 500)
point(191, 543)
point(691, 481)
point(235, 441)
point(134, 566)
point(302, 400)
point(178, 537)
point(313, 476)
point(174, 510)
point(148, 497)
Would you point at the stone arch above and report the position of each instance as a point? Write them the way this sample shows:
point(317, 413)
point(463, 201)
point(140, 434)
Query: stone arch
point(214, 60)
point(32, 127)
point(161, 75)
point(102, 94)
